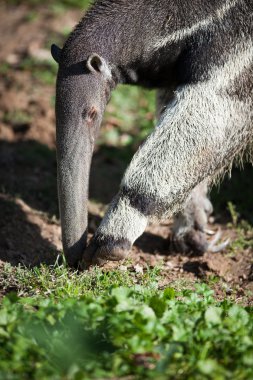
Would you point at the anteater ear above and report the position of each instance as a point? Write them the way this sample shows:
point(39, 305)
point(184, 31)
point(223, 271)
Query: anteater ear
point(56, 53)
point(96, 64)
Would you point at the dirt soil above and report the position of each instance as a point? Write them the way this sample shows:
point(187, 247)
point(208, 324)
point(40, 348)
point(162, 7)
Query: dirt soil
point(29, 224)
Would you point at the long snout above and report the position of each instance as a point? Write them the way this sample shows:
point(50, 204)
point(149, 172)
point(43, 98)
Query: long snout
point(80, 104)
point(74, 154)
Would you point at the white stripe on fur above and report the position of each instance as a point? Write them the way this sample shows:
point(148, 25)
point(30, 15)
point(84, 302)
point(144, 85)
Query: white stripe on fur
point(181, 34)
point(134, 223)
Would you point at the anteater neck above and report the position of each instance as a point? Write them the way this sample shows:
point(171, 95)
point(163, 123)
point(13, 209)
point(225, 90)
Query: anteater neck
point(137, 37)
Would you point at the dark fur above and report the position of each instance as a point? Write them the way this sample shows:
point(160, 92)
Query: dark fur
point(122, 33)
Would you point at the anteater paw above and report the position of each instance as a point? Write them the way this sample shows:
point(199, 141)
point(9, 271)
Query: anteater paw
point(190, 241)
point(195, 241)
point(102, 250)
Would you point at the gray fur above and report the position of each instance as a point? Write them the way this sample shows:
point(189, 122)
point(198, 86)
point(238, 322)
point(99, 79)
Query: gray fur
point(200, 55)
point(190, 223)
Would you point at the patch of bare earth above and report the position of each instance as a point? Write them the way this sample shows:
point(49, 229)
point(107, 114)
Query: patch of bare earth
point(29, 225)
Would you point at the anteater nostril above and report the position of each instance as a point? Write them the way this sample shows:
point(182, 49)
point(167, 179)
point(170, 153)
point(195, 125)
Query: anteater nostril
point(92, 114)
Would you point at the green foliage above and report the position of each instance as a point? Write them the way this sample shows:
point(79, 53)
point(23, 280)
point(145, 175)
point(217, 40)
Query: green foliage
point(126, 332)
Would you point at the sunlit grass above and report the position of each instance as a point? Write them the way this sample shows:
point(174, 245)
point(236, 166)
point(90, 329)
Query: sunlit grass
point(60, 282)
point(125, 331)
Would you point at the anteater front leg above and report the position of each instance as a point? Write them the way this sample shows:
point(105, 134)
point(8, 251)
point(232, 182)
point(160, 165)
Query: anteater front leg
point(193, 142)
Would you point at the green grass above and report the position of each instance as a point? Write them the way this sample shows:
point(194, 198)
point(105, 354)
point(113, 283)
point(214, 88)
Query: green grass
point(59, 281)
point(244, 239)
point(93, 327)
point(4, 68)
point(43, 70)
point(61, 324)
point(243, 230)
point(129, 117)
point(17, 117)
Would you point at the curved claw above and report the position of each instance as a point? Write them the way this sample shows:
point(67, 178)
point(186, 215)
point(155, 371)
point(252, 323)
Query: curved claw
point(209, 232)
point(212, 247)
point(219, 247)
point(216, 237)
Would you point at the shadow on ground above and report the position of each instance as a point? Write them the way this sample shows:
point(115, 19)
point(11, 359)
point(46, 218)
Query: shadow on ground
point(28, 171)
point(29, 227)
point(21, 235)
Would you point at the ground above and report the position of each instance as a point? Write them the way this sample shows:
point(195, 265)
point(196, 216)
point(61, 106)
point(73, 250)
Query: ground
point(29, 221)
